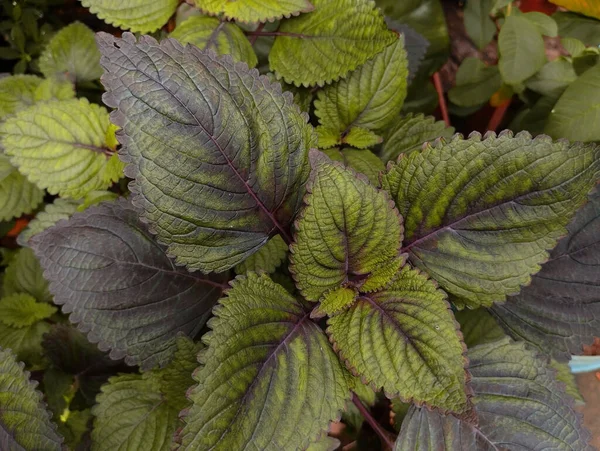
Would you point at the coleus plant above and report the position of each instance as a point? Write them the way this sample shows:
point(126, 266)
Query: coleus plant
point(357, 283)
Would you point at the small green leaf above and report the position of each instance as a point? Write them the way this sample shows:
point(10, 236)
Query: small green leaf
point(405, 340)
point(25, 275)
point(17, 92)
point(26, 342)
point(362, 161)
point(478, 327)
point(573, 46)
point(135, 15)
point(334, 39)
point(72, 51)
point(55, 88)
point(17, 194)
point(54, 212)
point(325, 443)
point(71, 135)
point(269, 375)
point(267, 259)
point(210, 33)
point(347, 232)
point(335, 301)
point(571, 25)
point(553, 78)
point(75, 427)
point(479, 25)
point(544, 23)
point(522, 51)
point(475, 83)
point(253, 11)
point(24, 421)
point(22, 310)
point(360, 138)
point(564, 375)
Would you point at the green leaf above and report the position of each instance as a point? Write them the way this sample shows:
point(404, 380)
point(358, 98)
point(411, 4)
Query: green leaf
point(210, 33)
point(17, 92)
point(269, 376)
point(519, 403)
point(141, 411)
point(348, 234)
point(360, 138)
point(75, 427)
point(574, 116)
point(25, 275)
point(479, 25)
point(475, 83)
point(230, 167)
point(325, 443)
point(480, 214)
point(22, 310)
point(544, 23)
point(106, 270)
point(71, 134)
point(253, 11)
point(267, 259)
point(26, 342)
point(559, 311)
point(55, 88)
point(24, 420)
point(522, 51)
point(553, 78)
point(336, 38)
point(17, 194)
point(369, 98)
point(335, 301)
point(564, 375)
point(571, 25)
point(573, 46)
point(404, 339)
point(409, 133)
point(478, 327)
point(54, 212)
point(415, 45)
point(362, 161)
point(72, 51)
point(135, 15)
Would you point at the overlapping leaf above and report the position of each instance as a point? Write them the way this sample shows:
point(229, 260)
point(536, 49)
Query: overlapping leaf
point(491, 206)
point(255, 10)
point(25, 342)
point(478, 327)
point(120, 286)
point(17, 92)
point(17, 194)
point(336, 38)
point(475, 83)
point(415, 45)
point(519, 403)
point(363, 161)
point(210, 33)
point(54, 212)
point(348, 234)
point(478, 24)
point(267, 259)
point(221, 157)
point(404, 339)
point(71, 135)
point(24, 275)
point(24, 421)
point(22, 310)
point(587, 7)
point(270, 378)
point(135, 15)
point(559, 311)
point(553, 78)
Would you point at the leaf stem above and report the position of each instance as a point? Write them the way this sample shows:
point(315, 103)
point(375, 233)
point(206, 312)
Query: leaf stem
point(437, 82)
point(255, 36)
point(382, 433)
point(498, 116)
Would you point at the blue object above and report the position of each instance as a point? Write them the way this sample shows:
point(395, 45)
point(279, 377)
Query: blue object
point(584, 363)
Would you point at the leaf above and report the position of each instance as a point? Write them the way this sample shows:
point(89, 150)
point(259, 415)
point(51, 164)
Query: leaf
point(75, 427)
point(415, 45)
point(522, 51)
point(573, 46)
point(17, 194)
point(348, 234)
point(559, 311)
point(478, 327)
point(17, 92)
point(564, 375)
point(72, 51)
point(587, 7)
point(360, 138)
point(335, 301)
point(362, 161)
point(135, 15)
point(24, 421)
point(476, 83)
point(369, 98)
point(520, 406)
point(553, 78)
point(25, 275)
point(22, 310)
point(237, 156)
point(255, 11)
point(55, 88)
point(404, 339)
point(121, 287)
point(267, 259)
point(71, 134)
point(269, 376)
point(54, 212)
point(572, 25)
point(409, 133)
point(478, 23)
point(210, 33)
point(480, 214)
point(26, 342)
point(545, 24)
point(336, 38)
point(574, 116)
point(141, 411)
point(325, 443)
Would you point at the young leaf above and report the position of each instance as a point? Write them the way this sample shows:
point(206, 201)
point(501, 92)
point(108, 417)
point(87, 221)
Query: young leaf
point(553, 78)
point(522, 51)
point(210, 33)
point(135, 15)
point(475, 83)
point(54, 212)
point(409, 133)
point(545, 24)
point(17, 92)
point(370, 97)
point(270, 378)
point(55, 88)
point(24, 275)
point(478, 327)
point(519, 403)
point(22, 310)
point(481, 214)
point(587, 7)
point(141, 411)
point(24, 420)
point(71, 135)
point(479, 25)
point(255, 11)
point(559, 311)
point(267, 259)
point(17, 194)
point(362, 161)
point(404, 339)
point(72, 51)
point(349, 233)
point(221, 161)
point(336, 38)
point(26, 342)
point(120, 286)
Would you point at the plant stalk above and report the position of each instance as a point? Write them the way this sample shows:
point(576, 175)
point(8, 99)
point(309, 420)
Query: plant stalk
point(382, 433)
point(437, 82)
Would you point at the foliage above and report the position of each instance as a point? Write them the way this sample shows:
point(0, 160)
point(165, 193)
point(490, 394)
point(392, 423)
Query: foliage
point(267, 229)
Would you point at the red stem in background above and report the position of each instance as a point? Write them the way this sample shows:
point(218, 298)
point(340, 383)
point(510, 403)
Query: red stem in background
point(254, 37)
point(498, 116)
point(437, 82)
point(382, 433)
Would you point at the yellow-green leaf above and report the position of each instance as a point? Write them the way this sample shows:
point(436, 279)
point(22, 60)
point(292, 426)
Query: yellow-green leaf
point(255, 10)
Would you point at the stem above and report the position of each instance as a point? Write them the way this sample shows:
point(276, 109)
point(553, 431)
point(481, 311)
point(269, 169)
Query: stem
point(498, 116)
point(255, 36)
point(437, 82)
point(382, 433)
